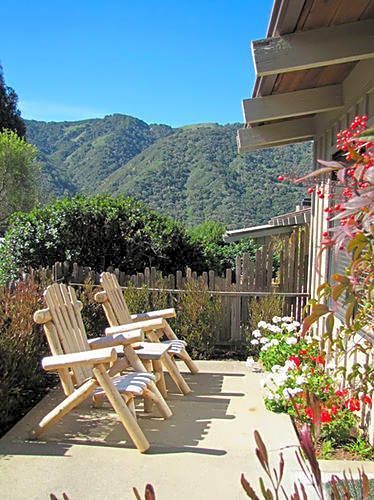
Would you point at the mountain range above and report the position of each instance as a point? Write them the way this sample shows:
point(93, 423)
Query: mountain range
point(191, 173)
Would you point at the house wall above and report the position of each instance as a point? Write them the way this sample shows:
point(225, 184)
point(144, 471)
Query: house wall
point(358, 91)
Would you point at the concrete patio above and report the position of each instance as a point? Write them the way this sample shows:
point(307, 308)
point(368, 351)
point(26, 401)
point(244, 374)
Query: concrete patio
point(199, 453)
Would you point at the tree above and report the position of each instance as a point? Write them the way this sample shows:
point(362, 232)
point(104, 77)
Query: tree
point(10, 116)
point(218, 254)
point(18, 175)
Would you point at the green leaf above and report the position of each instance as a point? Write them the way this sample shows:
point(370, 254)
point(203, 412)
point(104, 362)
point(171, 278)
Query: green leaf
point(367, 135)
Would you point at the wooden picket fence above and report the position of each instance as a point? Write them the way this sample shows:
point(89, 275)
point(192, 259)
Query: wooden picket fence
point(252, 279)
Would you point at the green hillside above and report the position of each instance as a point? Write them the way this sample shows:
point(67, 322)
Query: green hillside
point(192, 173)
point(77, 156)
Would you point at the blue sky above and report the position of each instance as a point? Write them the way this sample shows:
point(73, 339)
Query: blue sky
point(174, 62)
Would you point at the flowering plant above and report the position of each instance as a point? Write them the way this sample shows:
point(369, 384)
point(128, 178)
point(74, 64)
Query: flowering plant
point(349, 184)
point(303, 389)
point(278, 340)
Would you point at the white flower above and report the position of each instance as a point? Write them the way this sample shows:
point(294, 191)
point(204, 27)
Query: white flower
point(290, 328)
point(275, 329)
point(249, 362)
point(256, 333)
point(287, 393)
point(290, 365)
point(296, 323)
point(300, 380)
point(277, 397)
point(275, 368)
point(270, 397)
point(254, 341)
point(280, 380)
point(277, 319)
point(291, 340)
point(264, 340)
point(274, 342)
point(262, 324)
point(287, 319)
point(265, 347)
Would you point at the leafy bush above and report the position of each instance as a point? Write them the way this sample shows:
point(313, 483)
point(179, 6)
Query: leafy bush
point(264, 309)
point(340, 430)
point(198, 313)
point(198, 317)
point(218, 254)
point(22, 345)
point(97, 231)
point(18, 174)
point(93, 316)
point(277, 341)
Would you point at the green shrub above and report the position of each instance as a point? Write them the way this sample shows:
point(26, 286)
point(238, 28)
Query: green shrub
point(264, 309)
point(218, 254)
point(340, 430)
point(18, 173)
point(198, 313)
point(93, 315)
point(97, 231)
point(198, 318)
point(22, 345)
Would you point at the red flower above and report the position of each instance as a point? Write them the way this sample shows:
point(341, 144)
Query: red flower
point(325, 416)
point(353, 404)
point(341, 393)
point(366, 399)
point(303, 352)
point(295, 359)
point(319, 359)
point(280, 178)
point(334, 409)
point(309, 412)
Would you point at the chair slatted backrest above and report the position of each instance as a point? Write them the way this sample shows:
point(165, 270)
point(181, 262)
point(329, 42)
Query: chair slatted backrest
point(118, 313)
point(68, 334)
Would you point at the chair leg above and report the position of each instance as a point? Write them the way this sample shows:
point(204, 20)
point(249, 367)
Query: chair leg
point(65, 407)
point(159, 401)
point(148, 402)
point(131, 406)
point(171, 367)
point(161, 385)
point(184, 355)
point(120, 407)
point(191, 365)
point(175, 374)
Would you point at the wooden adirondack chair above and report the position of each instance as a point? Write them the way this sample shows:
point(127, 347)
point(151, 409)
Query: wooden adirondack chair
point(89, 367)
point(153, 323)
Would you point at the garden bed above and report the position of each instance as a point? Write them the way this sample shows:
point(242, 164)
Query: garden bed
point(298, 382)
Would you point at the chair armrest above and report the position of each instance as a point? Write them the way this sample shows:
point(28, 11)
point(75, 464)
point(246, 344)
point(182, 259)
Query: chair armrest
point(162, 313)
point(150, 324)
point(117, 339)
point(79, 358)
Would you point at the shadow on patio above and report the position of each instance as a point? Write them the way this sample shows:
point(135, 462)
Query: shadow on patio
point(186, 431)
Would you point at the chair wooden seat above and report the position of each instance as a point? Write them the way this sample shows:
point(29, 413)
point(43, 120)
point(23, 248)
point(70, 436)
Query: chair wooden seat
point(176, 347)
point(147, 350)
point(133, 383)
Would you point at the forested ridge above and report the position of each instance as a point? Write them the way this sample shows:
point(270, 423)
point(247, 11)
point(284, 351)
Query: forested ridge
point(190, 173)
